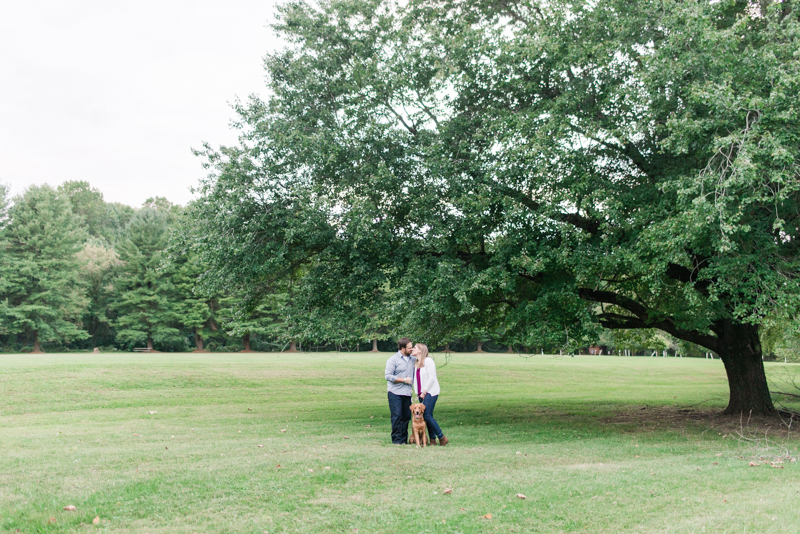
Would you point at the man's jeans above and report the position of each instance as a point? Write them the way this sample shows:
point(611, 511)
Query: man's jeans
point(433, 427)
point(400, 408)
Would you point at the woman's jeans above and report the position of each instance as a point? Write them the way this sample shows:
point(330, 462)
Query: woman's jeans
point(433, 427)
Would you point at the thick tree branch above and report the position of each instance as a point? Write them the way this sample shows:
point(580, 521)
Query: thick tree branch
point(687, 276)
point(589, 225)
point(641, 318)
point(410, 128)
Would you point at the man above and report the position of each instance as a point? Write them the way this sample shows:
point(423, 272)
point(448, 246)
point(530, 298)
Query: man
point(399, 373)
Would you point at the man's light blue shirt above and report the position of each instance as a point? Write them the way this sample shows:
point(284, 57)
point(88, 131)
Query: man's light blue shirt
point(399, 366)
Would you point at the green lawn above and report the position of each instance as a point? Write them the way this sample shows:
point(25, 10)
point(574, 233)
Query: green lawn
point(597, 444)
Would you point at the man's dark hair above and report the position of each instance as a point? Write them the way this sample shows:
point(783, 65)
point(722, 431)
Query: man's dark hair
point(402, 342)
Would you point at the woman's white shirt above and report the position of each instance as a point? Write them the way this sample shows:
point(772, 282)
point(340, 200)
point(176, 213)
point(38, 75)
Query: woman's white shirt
point(427, 377)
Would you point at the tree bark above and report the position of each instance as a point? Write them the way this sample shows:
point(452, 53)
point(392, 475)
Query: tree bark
point(374, 346)
point(740, 350)
point(198, 340)
point(37, 347)
point(246, 341)
point(150, 343)
point(292, 346)
point(480, 346)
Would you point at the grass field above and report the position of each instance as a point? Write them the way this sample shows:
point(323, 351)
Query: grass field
point(300, 443)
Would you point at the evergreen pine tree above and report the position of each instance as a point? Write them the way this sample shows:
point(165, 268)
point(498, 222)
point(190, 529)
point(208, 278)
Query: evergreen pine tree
point(42, 295)
point(145, 303)
point(197, 311)
point(265, 319)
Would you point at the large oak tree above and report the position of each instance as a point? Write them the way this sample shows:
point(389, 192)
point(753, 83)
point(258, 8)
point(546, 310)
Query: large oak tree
point(530, 168)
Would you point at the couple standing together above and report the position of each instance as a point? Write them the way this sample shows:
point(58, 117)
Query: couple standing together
point(410, 370)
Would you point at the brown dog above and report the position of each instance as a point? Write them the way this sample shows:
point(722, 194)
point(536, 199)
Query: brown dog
point(418, 426)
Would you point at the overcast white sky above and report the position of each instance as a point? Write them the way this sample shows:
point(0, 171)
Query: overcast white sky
point(117, 93)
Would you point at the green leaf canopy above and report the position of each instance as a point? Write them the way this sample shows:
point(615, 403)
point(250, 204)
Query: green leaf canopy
point(527, 169)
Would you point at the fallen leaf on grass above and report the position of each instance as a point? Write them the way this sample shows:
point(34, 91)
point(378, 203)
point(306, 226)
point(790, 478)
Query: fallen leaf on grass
point(463, 509)
point(283, 430)
point(754, 464)
point(70, 508)
point(310, 470)
point(327, 467)
point(593, 498)
point(52, 520)
point(152, 412)
point(249, 409)
point(260, 446)
point(519, 453)
point(96, 520)
point(715, 463)
point(487, 516)
point(138, 435)
point(448, 491)
point(278, 465)
point(521, 496)
point(719, 454)
point(775, 465)
point(368, 426)
point(346, 437)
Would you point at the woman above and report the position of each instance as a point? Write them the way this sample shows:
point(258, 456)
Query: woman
point(427, 387)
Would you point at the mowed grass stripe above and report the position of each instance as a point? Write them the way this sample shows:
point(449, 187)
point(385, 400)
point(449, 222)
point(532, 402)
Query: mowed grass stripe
point(595, 443)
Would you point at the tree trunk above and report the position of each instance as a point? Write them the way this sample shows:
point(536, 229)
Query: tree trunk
point(246, 341)
point(740, 351)
point(292, 346)
point(198, 340)
point(447, 348)
point(480, 346)
point(37, 347)
point(150, 343)
point(510, 349)
point(374, 346)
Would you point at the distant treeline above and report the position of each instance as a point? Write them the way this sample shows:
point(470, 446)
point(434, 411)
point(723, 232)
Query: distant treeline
point(78, 273)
